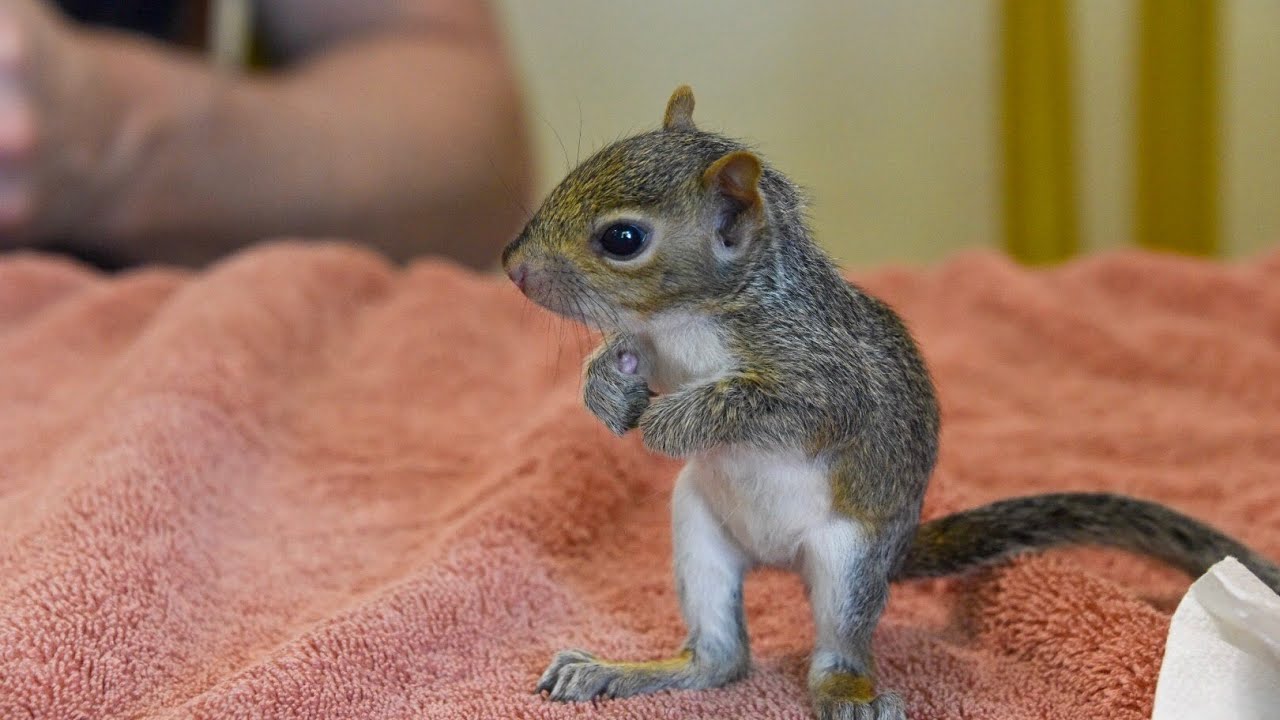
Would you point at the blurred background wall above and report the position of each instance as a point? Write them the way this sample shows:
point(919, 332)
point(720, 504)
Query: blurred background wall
point(895, 113)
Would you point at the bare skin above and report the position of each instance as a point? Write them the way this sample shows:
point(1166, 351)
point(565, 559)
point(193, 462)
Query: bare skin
point(396, 123)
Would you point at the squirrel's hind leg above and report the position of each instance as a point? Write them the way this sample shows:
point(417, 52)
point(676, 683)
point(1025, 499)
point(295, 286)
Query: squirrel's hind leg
point(846, 567)
point(709, 570)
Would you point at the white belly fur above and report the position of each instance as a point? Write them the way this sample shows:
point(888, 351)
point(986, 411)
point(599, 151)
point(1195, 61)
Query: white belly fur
point(769, 502)
point(683, 349)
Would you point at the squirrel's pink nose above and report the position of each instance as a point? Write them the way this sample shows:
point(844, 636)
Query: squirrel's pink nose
point(518, 275)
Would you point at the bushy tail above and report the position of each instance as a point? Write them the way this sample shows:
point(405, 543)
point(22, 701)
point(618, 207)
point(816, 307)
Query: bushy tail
point(984, 535)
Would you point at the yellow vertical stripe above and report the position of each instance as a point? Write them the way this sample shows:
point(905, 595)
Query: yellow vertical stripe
point(229, 32)
point(1040, 221)
point(1177, 132)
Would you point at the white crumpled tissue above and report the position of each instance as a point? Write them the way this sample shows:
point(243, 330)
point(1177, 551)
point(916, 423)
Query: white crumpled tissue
point(1222, 657)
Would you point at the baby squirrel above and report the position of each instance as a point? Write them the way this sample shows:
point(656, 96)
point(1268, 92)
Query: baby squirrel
point(804, 409)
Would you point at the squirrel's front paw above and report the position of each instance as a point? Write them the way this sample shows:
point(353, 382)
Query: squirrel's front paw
point(669, 432)
point(615, 392)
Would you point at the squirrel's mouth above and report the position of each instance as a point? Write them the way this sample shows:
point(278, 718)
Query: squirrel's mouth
point(564, 294)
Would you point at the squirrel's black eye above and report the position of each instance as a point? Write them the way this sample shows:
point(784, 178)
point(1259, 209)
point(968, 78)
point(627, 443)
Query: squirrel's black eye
point(623, 240)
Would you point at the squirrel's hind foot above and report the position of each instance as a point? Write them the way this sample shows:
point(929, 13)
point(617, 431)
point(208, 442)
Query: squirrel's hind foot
point(575, 675)
point(845, 696)
point(885, 706)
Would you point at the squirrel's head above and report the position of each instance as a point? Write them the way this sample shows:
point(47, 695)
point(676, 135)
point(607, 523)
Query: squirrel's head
point(653, 222)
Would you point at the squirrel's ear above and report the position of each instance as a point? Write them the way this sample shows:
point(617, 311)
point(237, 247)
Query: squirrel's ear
point(735, 179)
point(679, 115)
point(736, 176)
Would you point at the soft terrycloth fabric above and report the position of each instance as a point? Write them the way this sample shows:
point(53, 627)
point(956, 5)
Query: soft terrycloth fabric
point(304, 485)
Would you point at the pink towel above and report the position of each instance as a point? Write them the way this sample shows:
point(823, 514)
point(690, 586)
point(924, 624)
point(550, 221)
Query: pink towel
point(305, 485)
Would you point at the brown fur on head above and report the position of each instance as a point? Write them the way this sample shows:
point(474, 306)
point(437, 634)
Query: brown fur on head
point(695, 197)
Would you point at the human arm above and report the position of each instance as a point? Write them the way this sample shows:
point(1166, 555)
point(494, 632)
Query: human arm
point(393, 122)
